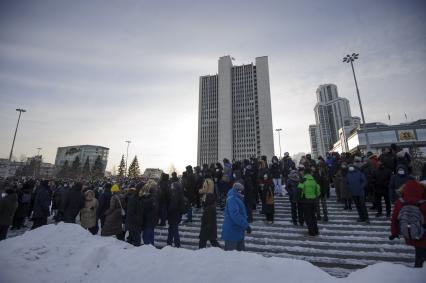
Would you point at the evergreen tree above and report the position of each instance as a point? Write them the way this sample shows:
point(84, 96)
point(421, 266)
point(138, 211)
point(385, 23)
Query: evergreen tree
point(76, 168)
point(134, 170)
point(86, 169)
point(97, 169)
point(122, 167)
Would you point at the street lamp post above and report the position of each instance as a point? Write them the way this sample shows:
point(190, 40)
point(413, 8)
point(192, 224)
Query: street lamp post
point(127, 156)
point(20, 110)
point(350, 59)
point(38, 150)
point(279, 138)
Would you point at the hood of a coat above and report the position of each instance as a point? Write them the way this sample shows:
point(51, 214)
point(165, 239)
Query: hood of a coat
point(413, 191)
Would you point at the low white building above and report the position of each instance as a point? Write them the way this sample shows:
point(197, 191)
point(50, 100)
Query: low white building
point(407, 135)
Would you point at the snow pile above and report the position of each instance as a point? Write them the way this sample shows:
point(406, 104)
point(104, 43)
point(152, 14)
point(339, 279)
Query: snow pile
point(67, 253)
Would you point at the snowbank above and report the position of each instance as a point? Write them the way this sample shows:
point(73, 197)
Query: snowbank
point(67, 253)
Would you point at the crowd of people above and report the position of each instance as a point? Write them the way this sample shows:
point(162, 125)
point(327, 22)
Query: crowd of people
point(130, 209)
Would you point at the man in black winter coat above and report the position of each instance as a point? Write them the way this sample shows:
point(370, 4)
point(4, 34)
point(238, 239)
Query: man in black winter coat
point(8, 206)
point(189, 187)
point(104, 201)
point(175, 209)
point(208, 230)
point(24, 203)
point(382, 177)
point(41, 206)
point(163, 197)
point(73, 203)
point(134, 217)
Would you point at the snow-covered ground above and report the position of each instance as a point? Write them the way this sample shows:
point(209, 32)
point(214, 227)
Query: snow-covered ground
point(67, 253)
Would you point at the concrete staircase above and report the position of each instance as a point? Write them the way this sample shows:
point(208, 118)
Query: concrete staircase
point(342, 246)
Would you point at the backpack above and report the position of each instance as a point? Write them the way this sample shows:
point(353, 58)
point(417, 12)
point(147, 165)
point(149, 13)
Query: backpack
point(411, 221)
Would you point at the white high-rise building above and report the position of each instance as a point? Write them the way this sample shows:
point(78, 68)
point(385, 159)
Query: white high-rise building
point(331, 113)
point(234, 115)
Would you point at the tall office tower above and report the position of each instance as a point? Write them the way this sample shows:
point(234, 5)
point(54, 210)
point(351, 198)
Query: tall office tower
point(234, 114)
point(314, 139)
point(331, 114)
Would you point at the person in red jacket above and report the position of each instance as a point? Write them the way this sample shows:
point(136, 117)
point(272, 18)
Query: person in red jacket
point(412, 192)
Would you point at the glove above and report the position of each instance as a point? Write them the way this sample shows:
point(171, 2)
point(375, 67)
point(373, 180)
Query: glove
point(392, 237)
point(248, 230)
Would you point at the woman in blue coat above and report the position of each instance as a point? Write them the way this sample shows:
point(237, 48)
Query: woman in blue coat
point(235, 219)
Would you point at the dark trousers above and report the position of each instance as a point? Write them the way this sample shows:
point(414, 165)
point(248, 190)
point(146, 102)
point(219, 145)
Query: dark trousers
point(163, 215)
point(348, 203)
point(189, 214)
point(309, 215)
point(94, 230)
point(378, 200)
point(173, 236)
point(120, 236)
point(18, 221)
point(249, 208)
point(297, 212)
point(269, 216)
point(3, 231)
point(203, 243)
point(148, 236)
point(420, 257)
point(38, 222)
point(232, 246)
point(360, 207)
point(322, 201)
point(135, 237)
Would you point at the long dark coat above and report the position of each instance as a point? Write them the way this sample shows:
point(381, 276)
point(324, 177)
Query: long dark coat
point(208, 219)
point(8, 206)
point(150, 215)
point(73, 202)
point(175, 204)
point(135, 212)
point(113, 218)
point(42, 201)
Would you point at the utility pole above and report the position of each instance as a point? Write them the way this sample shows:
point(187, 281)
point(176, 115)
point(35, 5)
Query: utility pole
point(279, 139)
point(349, 59)
point(20, 110)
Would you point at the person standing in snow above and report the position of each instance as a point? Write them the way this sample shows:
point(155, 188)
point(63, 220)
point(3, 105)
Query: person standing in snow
point(310, 193)
point(176, 207)
point(88, 213)
point(235, 219)
point(208, 231)
point(397, 181)
point(269, 198)
point(294, 193)
point(73, 203)
point(41, 206)
point(134, 217)
point(356, 182)
point(104, 201)
point(275, 171)
point(150, 211)
point(323, 181)
point(8, 206)
point(413, 194)
point(114, 215)
point(163, 197)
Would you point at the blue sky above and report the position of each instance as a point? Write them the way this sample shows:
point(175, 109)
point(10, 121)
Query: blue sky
point(102, 72)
